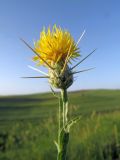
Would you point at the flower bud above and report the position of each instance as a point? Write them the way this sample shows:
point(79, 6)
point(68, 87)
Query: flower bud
point(61, 80)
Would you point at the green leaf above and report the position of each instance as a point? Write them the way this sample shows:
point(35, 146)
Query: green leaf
point(53, 92)
point(64, 134)
point(57, 145)
point(64, 138)
point(71, 123)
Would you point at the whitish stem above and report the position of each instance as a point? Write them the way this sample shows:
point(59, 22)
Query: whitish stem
point(65, 105)
point(63, 110)
point(59, 120)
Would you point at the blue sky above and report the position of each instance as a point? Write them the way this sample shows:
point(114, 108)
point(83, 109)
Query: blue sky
point(26, 18)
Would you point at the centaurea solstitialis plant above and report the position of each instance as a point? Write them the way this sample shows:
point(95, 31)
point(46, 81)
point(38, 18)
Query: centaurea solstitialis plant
point(55, 50)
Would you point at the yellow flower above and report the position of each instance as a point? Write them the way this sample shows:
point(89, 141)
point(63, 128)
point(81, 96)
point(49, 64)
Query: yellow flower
point(54, 50)
point(55, 46)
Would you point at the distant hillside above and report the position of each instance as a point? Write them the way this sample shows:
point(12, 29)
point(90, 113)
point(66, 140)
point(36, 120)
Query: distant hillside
point(45, 105)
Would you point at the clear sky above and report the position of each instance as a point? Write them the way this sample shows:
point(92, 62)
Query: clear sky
point(26, 18)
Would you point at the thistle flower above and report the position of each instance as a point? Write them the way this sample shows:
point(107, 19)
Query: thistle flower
point(55, 50)
point(54, 46)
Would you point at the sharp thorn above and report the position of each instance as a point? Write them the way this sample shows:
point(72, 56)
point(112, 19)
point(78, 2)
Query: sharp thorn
point(35, 52)
point(38, 70)
point(37, 77)
point(80, 38)
point(83, 59)
point(83, 70)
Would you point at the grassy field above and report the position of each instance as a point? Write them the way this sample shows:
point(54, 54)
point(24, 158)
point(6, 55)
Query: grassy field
point(28, 126)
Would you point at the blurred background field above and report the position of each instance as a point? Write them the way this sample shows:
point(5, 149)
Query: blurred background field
point(28, 126)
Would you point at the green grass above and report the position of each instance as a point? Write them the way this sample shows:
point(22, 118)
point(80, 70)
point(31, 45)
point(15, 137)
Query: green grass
point(30, 125)
point(44, 105)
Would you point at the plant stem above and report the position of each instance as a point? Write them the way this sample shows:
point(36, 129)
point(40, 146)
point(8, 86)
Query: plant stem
point(65, 105)
point(59, 119)
point(63, 137)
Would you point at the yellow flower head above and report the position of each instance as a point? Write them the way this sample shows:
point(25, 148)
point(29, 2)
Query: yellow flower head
point(54, 50)
point(54, 46)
